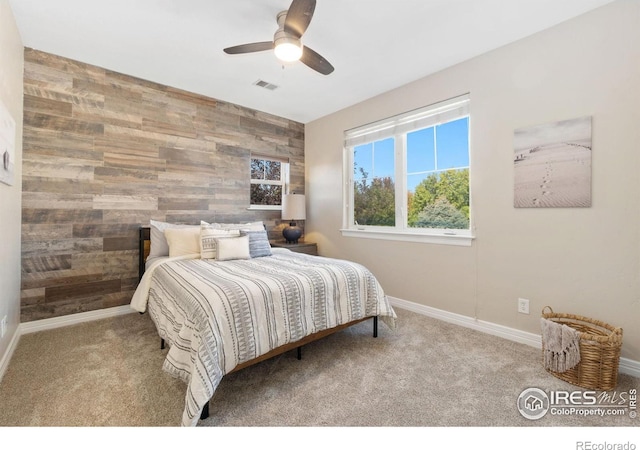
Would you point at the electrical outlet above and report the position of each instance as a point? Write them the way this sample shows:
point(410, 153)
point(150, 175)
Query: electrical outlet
point(523, 306)
point(3, 326)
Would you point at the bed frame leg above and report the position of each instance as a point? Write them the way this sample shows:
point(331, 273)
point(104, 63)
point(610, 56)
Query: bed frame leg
point(299, 352)
point(375, 326)
point(205, 411)
point(161, 344)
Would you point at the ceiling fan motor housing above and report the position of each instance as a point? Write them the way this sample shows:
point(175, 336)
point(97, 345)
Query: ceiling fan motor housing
point(287, 47)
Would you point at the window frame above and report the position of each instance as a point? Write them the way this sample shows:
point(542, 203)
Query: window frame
point(398, 127)
point(284, 180)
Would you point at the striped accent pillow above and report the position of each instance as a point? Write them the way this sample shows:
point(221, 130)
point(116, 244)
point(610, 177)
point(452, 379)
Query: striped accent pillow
point(258, 243)
point(208, 236)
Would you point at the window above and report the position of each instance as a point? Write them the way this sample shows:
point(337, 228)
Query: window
point(407, 177)
point(269, 178)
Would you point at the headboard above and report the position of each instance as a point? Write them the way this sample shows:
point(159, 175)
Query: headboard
point(144, 246)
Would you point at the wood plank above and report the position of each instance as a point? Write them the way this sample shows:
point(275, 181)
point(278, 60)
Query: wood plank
point(113, 264)
point(56, 200)
point(60, 160)
point(124, 202)
point(34, 280)
point(120, 243)
point(132, 189)
point(29, 297)
point(46, 76)
point(189, 157)
point(47, 106)
point(127, 145)
point(45, 232)
point(56, 139)
point(170, 128)
point(125, 161)
point(66, 94)
point(46, 121)
point(111, 216)
point(56, 293)
point(81, 230)
point(62, 186)
point(45, 263)
point(120, 175)
point(60, 216)
point(181, 203)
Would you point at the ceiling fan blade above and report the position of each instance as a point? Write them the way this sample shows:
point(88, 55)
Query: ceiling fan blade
point(249, 48)
point(315, 61)
point(299, 16)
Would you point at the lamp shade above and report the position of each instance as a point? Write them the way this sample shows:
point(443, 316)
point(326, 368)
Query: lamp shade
point(293, 207)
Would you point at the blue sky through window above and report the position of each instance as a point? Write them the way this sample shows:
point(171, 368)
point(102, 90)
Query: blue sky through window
point(376, 159)
point(453, 144)
point(429, 150)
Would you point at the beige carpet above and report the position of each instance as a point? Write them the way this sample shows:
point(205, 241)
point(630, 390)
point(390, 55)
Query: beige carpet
point(427, 373)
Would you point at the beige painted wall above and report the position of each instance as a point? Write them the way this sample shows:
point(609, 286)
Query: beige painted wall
point(581, 260)
point(11, 64)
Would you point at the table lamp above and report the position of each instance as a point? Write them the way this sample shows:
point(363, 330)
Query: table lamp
point(293, 208)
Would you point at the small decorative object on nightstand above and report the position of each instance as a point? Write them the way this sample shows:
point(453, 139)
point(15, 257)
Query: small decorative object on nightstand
point(293, 208)
point(310, 248)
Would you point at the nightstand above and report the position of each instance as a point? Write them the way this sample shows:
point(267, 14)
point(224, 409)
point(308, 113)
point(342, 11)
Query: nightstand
point(310, 248)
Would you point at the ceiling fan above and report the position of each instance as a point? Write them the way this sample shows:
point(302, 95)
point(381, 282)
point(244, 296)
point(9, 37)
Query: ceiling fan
point(286, 42)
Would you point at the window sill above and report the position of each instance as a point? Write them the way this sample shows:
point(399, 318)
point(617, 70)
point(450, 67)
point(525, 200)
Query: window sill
point(407, 236)
point(265, 208)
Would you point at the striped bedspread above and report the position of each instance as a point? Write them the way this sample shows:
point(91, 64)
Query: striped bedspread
point(218, 314)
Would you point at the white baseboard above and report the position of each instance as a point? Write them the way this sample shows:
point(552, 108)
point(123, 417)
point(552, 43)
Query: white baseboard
point(627, 366)
point(4, 362)
point(72, 319)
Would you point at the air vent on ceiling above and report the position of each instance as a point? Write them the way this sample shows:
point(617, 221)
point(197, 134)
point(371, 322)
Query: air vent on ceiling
point(266, 85)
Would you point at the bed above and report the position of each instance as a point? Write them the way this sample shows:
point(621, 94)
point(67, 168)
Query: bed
point(222, 315)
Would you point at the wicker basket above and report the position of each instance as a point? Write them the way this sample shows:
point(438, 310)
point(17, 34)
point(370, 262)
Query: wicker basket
point(600, 345)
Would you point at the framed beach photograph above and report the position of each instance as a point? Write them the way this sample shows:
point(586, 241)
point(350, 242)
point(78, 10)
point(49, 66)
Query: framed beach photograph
point(7, 145)
point(552, 165)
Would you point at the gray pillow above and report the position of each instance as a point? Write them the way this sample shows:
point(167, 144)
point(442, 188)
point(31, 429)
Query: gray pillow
point(258, 243)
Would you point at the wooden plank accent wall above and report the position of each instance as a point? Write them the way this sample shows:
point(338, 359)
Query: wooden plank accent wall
point(104, 153)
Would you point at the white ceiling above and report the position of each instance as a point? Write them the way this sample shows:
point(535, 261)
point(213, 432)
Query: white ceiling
point(374, 45)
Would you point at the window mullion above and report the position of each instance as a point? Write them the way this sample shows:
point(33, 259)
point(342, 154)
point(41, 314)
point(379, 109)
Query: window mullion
point(349, 188)
point(435, 147)
point(400, 182)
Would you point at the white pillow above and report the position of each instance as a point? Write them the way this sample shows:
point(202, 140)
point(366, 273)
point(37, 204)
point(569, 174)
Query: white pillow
point(249, 226)
point(159, 245)
point(183, 241)
point(232, 248)
point(208, 236)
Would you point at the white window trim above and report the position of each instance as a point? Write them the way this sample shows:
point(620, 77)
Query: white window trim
point(388, 128)
point(265, 208)
point(463, 240)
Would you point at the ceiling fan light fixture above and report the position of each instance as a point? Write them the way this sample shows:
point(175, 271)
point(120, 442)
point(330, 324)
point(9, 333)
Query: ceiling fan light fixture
point(287, 48)
point(292, 24)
